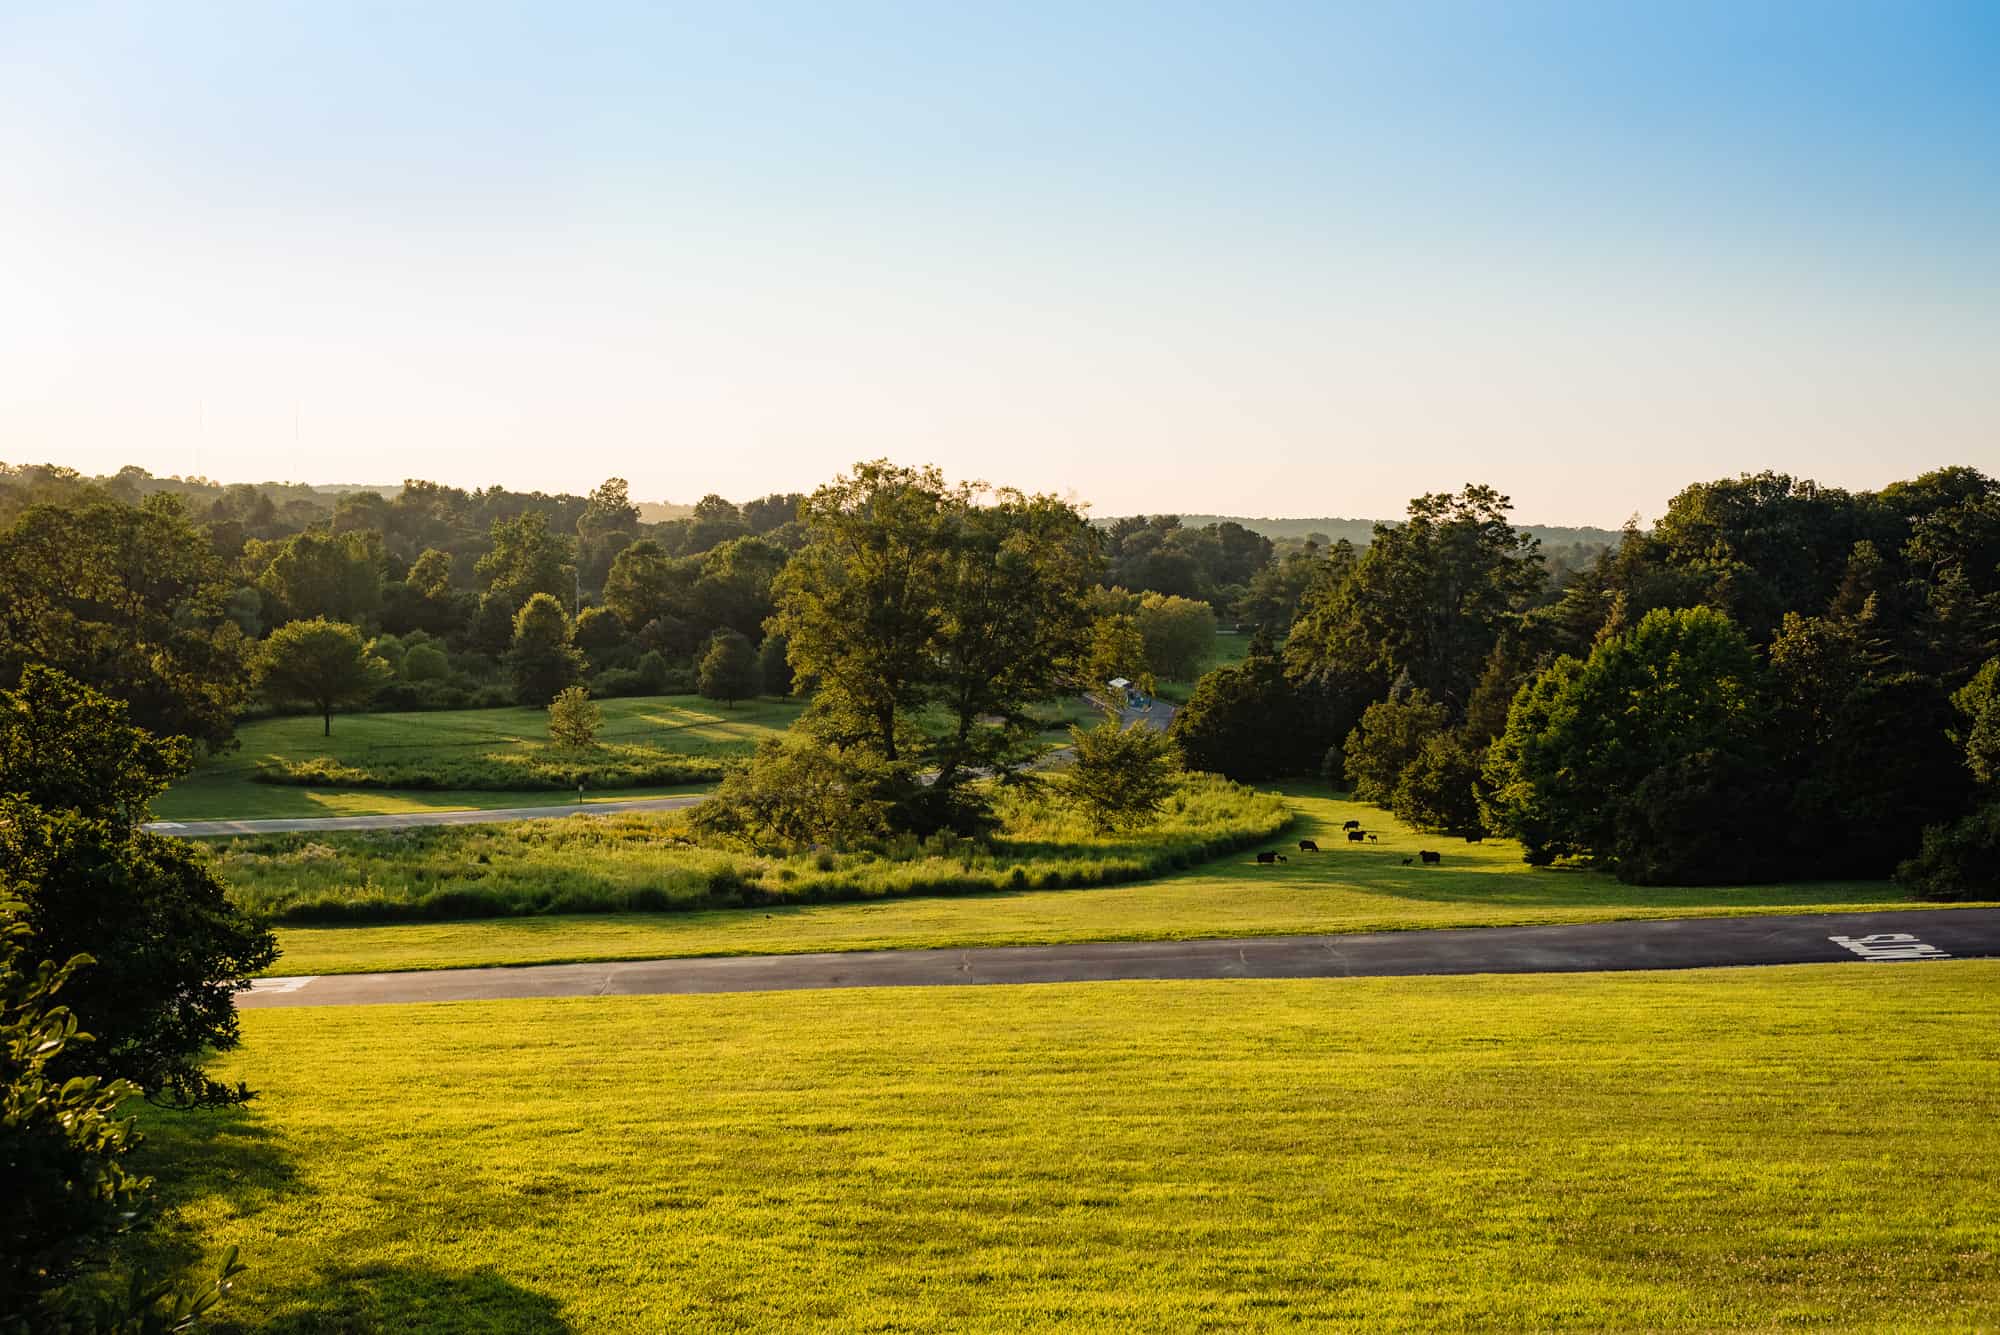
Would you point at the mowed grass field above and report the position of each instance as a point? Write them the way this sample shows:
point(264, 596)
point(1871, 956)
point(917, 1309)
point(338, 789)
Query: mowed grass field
point(1346, 888)
point(1811, 1147)
point(224, 788)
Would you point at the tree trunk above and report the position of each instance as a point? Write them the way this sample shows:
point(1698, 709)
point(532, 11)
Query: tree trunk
point(327, 729)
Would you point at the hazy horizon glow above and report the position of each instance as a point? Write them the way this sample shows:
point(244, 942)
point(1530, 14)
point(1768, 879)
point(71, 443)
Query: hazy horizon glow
point(1269, 259)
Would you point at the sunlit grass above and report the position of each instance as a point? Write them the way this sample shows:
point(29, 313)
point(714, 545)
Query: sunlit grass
point(1797, 1147)
point(448, 759)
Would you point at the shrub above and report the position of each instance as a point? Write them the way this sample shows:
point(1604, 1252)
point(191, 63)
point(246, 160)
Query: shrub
point(425, 663)
point(1960, 860)
point(573, 719)
point(652, 672)
point(1121, 776)
point(616, 683)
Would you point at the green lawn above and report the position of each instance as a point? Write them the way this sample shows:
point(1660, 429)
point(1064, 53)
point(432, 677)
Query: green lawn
point(1732, 1149)
point(1347, 888)
point(461, 739)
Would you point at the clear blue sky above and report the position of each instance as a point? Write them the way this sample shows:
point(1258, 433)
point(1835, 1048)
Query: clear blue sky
point(1262, 258)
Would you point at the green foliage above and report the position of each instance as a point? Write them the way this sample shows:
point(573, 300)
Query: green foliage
point(798, 790)
point(128, 600)
point(64, 746)
point(541, 659)
point(62, 1143)
point(1248, 723)
point(1116, 649)
point(1177, 633)
point(598, 630)
point(326, 576)
point(646, 584)
point(574, 719)
point(430, 574)
point(1388, 739)
point(526, 559)
point(654, 674)
point(774, 668)
point(728, 670)
point(1429, 597)
point(321, 663)
point(1120, 777)
point(911, 592)
point(426, 662)
point(1957, 861)
point(1438, 789)
point(168, 946)
point(1978, 729)
point(1583, 737)
point(63, 1150)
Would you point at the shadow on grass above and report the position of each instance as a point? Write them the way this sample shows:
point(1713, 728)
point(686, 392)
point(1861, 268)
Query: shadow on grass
point(233, 1157)
point(412, 1298)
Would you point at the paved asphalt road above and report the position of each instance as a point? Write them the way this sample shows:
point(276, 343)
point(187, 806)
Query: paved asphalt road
point(193, 829)
point(1681, 943)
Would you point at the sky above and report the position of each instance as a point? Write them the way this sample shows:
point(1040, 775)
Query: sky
point(1249, 258)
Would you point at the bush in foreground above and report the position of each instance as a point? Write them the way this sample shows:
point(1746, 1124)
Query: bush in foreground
point(1957, 861)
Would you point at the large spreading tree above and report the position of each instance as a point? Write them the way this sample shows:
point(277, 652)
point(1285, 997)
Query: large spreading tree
point(911, 592)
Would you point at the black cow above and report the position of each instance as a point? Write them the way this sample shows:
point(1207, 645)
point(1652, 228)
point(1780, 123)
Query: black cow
point(1428, 856)
point(1352, 825)
point(1354, 836)
point(1408, 861)
point(1372, 838)
point(1475, 838)
point(1270, 857)
point(1308, 846)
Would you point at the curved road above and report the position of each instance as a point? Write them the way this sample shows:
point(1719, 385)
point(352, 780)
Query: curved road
point(1680, 943)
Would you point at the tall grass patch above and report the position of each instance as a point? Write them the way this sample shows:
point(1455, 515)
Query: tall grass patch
point(650, 862)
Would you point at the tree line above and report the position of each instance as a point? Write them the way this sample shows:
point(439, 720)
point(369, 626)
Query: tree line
point(198, 604)
point(1778, 679)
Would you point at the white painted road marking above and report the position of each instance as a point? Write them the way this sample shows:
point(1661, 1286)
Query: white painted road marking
point(1889, 946)
point(280, 984)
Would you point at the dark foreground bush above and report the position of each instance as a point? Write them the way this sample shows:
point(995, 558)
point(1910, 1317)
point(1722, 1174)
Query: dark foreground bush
point(1957, 861)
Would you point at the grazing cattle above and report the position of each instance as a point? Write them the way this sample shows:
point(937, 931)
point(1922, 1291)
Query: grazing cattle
point(1351, 825)
point(1308, 846)
point(1428, 856)
point(1408, 861)
point(1268, 858)
point(1354, 836)
point(1372, 838)
point(1475, 838)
